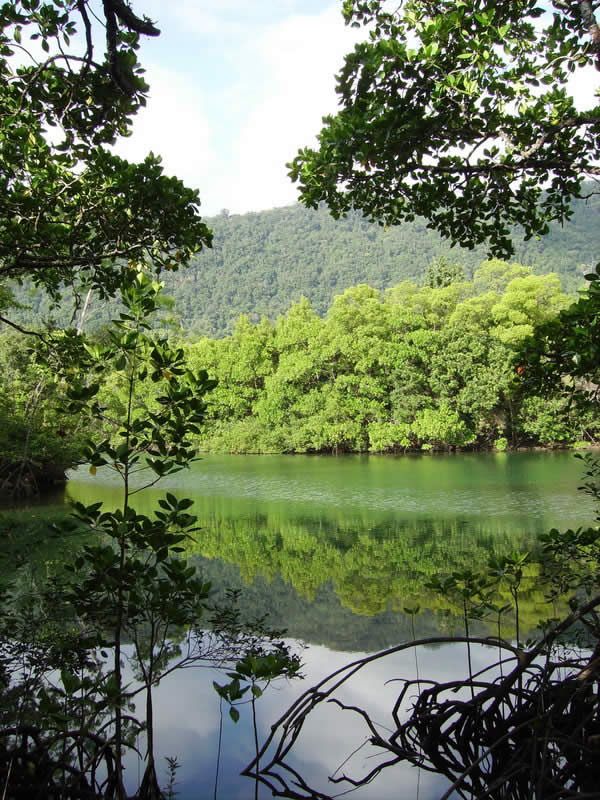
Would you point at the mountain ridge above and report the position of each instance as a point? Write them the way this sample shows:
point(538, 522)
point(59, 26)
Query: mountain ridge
point(262, 262)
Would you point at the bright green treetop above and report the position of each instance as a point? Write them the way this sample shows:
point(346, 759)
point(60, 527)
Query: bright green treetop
point(459, 111)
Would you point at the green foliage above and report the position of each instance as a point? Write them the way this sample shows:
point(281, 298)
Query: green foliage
point(574, 555)
point(558, 369)
point(527, 302)
point(441, 427)
point(38, 441)
point(256, 668)
point(131, 583)
point(441, 273)
point(460, 114)
point(550, 420)
point(72, 213)
point(414, 368)
point(564, 354)
point(287, 253)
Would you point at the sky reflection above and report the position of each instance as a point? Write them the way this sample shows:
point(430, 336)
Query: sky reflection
point(187, 715)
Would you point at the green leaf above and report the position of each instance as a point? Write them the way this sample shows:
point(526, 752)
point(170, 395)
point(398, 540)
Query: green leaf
point(70, 681)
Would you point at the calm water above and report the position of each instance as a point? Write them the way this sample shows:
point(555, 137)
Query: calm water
point(334, 548)
point(509, 487)
point(367, 532)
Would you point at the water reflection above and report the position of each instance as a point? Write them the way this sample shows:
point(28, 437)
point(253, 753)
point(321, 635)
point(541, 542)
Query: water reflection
point(188, 714)
point(371, 529)
point(333, 550)
point(374, 488)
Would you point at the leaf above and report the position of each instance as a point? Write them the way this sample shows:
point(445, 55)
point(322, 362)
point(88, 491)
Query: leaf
point(70, 681)
point(234, 714)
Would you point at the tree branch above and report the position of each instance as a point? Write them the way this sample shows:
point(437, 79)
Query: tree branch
point(130, 20)
point(20, 329)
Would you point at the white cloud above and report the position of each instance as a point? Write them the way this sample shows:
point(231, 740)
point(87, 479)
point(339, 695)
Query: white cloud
point(300, 56)
point(227, 19)
point(174, 126)
point(583, 85)
point(231, 17)
point(228, 113)
point(187, 715)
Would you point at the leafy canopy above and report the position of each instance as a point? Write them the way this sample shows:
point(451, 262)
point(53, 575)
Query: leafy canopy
point(459, 111)
point(71, 212)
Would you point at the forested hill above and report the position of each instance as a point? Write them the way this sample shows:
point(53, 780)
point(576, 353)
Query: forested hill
point(262, 262)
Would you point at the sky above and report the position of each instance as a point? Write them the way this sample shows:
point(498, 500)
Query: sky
point(236, 88)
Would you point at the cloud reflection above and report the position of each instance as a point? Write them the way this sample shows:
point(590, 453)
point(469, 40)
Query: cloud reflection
point(187, 714)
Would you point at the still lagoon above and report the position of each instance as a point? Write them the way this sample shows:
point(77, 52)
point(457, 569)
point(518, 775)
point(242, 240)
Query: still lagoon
point(336, 549)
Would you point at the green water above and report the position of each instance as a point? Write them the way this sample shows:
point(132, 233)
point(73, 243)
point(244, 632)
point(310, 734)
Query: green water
point(502, 488)
point(334, 548)
point(361, 535)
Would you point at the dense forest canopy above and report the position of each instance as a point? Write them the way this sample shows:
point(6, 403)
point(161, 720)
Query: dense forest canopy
point(410, 368)
point(261, 263)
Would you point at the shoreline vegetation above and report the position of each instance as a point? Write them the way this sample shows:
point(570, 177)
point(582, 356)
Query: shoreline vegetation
point(22, 481)
point(429, 451)
point(27, 478)
point(413, 369)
